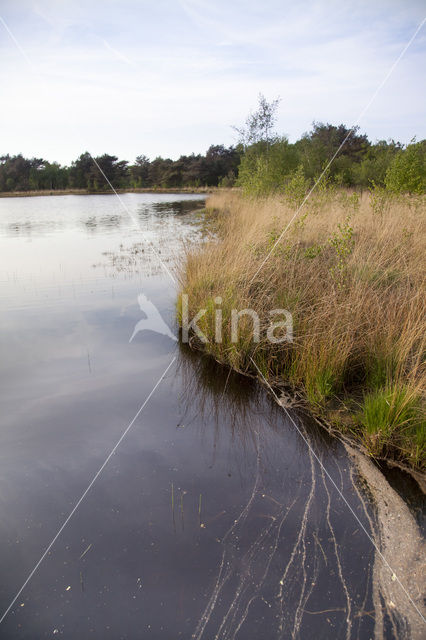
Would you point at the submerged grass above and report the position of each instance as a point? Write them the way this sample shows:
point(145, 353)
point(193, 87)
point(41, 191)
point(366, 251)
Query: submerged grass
point(353, 280)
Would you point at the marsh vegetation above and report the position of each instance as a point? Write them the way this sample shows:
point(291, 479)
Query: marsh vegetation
point(350, 269)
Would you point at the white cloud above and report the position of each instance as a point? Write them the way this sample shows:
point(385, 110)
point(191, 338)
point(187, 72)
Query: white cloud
point(170, 78)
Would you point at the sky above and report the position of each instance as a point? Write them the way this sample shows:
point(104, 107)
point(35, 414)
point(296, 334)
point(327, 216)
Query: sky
point(171, 77)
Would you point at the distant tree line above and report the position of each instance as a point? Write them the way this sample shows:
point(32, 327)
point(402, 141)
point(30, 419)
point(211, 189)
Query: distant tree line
point(260, 163)
point(218, 166)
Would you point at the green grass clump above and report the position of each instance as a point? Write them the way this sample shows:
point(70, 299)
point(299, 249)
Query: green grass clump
point(320, 386)
point(391, 417)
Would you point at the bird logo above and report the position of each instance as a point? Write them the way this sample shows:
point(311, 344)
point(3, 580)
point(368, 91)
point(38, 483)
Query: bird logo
point(153, 321)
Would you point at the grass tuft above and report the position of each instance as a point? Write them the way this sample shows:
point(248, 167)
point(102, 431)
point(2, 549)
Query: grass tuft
point(392, 417)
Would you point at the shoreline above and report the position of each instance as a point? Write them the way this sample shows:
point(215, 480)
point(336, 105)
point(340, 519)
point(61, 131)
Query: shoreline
point(398, 574)
point(342, 370)
point(291, 398)
point(86, 192)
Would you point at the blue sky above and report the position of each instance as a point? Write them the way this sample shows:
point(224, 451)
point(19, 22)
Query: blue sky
point(166, 77)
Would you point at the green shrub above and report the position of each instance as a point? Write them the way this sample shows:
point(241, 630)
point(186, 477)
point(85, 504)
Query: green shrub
point(407, 172)
point(264, 166)
point(296, 187)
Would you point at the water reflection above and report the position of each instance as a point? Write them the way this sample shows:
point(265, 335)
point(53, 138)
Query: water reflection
point(27, 229)
point(286, 541)
point(180, 207)
point(96, 225)
point(52, 214)
point(212, 520)
point(237, 401)
point(215, 389)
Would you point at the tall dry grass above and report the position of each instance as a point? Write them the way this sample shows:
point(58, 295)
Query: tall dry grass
point(354, 282)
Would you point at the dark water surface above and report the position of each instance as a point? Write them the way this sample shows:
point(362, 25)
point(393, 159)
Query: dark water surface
point(212, 519)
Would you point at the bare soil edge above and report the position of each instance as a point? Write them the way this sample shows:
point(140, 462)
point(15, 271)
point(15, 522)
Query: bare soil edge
point(399, 571)
point(399, 540)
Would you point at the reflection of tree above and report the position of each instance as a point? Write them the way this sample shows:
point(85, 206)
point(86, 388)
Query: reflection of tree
point(177, 208)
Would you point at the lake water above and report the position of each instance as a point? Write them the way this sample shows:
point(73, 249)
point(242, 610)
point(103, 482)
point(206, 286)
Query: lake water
point(212, 519)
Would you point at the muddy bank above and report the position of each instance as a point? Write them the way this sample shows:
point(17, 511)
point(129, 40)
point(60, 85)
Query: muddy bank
point(399, 568)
